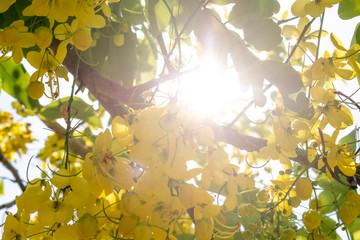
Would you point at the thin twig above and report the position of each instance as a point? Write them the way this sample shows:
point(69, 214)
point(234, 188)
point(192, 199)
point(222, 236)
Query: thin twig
point(75, 145)
point(68, 122)
point(13, 170)
point(286, 20)
point(302, 35)
point(348, 98)
point(8, 205)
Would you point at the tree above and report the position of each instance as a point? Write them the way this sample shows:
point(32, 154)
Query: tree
point(164, 171)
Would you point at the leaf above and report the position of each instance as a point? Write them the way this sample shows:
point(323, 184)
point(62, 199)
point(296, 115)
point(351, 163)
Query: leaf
point(301, 234)
point(184, 236)
point(162, 15)
point(222, 2)
point(13, 13)
point(324, 182)
point(15, 81)
point(146, 59)
point(214, 38)
point(158, 16)
point(249, 10)
point(349, 9)
point(122, 62)
point(98, 53)
point(132, 11)
point(283, 76)
point(327, 226)
point(264, 34)
point(79, 109)
point(186, 14)
point(349, 139)
point(301, 105)
point(326, 199)
point(356, 37)
point(354, 229)
point(1, 187)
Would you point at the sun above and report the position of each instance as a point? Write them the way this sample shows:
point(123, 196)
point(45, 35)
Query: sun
point(210, 90)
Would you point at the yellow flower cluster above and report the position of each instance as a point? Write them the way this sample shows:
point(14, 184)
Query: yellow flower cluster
point(148, 168)
point(84, 14)
point(13, 136)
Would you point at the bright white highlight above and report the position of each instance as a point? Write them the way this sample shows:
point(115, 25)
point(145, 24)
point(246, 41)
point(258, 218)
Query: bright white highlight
point(208, 91)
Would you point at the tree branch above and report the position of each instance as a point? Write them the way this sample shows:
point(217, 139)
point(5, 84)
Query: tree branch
point(13, 170)
point(8, 205)
point(110, 94)
point(115, 97)
point(75, 145)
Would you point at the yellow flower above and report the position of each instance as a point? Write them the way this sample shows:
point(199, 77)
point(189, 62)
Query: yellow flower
point(303, 188)
point(341, 54)
point(348, 212)
point(14, 38)
point(14, 229)
point(5, 4)
point(339, 156)
point(47, 63)
point(311, 220)
point(43, 37)
point(87, 225)
point(295, 32)
point(142, 232)
point(352, 196)
point(278, 192)
point(35, 194)
point(86, 13)
point(312, 7)
point(13, 136)
point(105, 170)
point(76, 34)
point(338, 115)
point(58, 10)
point(204, 228)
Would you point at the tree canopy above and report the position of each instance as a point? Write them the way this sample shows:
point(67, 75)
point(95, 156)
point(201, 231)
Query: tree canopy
point(180, 119)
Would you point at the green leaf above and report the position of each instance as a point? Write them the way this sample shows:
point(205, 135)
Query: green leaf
point(327, 202)
point(324, 182)
point(184, 236)
point(15, 81)
point(327, 226)
point(356, 37)
point(98, 53)
point(354, 229)
point(158, 16)
point(349, 9)
point(122, 62)
point(13, 13)
point(162, 15)
point(132, 11)
point(222, 2)
point(249, 10)
point(146, 59)
point(212, 35)
point(283, 76)
point(301, 105)
point(186, 14)
point(264, 34)
point(301, 234)
point(349, 139)
point(79, 110)
point(340, 188)
point(1, 187)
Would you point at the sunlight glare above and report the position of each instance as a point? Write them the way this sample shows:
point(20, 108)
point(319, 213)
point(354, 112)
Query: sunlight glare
point(209, 90)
